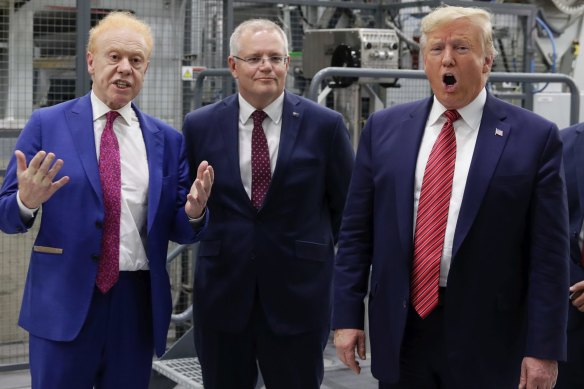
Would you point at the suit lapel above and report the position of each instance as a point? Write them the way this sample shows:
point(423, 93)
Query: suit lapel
point(488, 149)
point(409, 136)
point(154, 142)
point(228, 123)
point(292, 114)
point(80, 120)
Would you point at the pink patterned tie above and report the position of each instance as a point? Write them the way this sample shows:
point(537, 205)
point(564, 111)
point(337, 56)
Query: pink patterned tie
point(432, 217)
point(260, 161)
point(111, 186)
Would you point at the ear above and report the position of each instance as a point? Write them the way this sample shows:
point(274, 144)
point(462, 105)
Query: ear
point(89, 59)
point(232, 66)
point(488, 64)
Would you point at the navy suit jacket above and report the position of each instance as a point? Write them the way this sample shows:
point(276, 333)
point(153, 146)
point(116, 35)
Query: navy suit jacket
point(573, 138)
point(283, 251)
point(508, 280)
point(59, 287)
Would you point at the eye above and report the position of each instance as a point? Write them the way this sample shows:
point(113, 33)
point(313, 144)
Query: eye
point(253, 60)
point(114, 57)
point(276, 59)
point(137, 61)
point(462, 49)
point(435, 49)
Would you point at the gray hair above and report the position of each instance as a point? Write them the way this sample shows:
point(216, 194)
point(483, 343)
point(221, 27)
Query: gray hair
point(255, 25)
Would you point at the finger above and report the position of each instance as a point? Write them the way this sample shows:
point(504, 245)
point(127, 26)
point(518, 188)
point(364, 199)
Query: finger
point(207, 183)
point(20, 161)
point(59, 184)
point(361, 347)
point(201, 169)
point(201, 192)
point(35, 162)
point(211, 173)
point(55, 169)
point(46, 164)
point(351, 362)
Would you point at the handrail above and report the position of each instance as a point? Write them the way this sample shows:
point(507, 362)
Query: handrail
point(405, 73)
point(198, 92)
point(187, 313)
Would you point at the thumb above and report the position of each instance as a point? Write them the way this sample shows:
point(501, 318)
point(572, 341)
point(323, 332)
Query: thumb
point(20, 161)
point(523, 377)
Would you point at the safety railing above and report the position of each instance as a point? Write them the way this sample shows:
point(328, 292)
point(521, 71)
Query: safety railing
point(330, 72)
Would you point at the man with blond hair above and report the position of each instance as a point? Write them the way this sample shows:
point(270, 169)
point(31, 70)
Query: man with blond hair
point(97, 300)
point(457, 212)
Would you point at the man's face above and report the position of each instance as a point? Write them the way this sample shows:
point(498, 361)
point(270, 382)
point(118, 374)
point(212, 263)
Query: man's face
point(117, 66)
point(455, 63)
point(260, 84)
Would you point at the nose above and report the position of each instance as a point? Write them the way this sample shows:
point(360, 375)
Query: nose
point(448, 58)
point(265, 62)
point(124, 66)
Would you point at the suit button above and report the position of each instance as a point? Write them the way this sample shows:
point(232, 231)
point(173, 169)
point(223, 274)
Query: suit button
point(95, 257)
point(99, 224)
point(405, 304)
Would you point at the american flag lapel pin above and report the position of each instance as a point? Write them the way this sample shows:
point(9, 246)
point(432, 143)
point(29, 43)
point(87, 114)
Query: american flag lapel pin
point(498, 132)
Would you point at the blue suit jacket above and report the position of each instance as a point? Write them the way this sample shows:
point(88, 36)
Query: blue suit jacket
point(284, 251)
point(59, 287)
point(573, 138)
point(507, 286)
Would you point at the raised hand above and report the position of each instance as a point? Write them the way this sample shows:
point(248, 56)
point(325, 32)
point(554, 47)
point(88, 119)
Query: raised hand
point(200, 191)
point(35, 181)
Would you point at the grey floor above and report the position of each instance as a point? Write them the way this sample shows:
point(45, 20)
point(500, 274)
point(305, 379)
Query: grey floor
point(337, 378)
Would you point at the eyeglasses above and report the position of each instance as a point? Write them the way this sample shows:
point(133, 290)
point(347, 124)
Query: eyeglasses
point(274, 60)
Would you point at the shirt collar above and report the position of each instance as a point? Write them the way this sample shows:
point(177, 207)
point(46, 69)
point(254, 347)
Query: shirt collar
point(100, 109)
point(471, 113)
point(274, 110)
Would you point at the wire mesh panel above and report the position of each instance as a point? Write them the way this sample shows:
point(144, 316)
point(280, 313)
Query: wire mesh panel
point(38, 53)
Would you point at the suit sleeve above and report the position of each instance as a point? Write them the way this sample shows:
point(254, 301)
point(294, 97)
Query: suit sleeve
point(340, 167)
point(549, 251)
point(29, 142)
point(183, 232)
point(353, 260)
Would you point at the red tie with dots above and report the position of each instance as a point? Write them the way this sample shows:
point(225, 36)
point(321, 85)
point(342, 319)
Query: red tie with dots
point(111, 185)
point(261, 174)
point(432, 217)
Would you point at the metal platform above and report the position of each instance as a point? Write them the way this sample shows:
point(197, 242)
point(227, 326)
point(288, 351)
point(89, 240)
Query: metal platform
point(186, 372)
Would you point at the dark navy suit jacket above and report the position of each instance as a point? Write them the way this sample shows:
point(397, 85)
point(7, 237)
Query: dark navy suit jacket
point(573, 138)
point(282, 252)
point(59, 287)
point(508, 280)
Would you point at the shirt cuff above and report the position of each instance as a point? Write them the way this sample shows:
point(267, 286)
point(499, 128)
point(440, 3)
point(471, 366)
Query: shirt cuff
point(197, 221)
point(27, 214)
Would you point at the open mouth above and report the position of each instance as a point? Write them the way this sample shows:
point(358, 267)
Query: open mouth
point(122, 84)
point(449, 79)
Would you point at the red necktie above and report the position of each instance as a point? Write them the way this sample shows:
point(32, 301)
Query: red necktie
point(432, 217)
point(111, 186)
point(260, 161)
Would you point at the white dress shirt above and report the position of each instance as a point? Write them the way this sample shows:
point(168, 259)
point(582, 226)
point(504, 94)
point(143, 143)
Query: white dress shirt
point(466, 130)
point(272, 126)
point(134, 166)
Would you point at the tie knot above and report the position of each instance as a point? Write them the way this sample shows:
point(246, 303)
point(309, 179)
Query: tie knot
point(110, 117)
point(452, 115)
point(258, 117)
